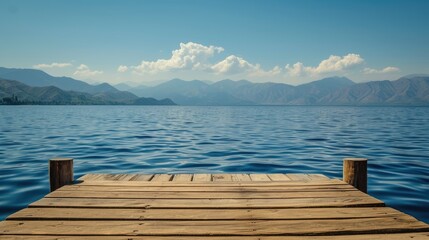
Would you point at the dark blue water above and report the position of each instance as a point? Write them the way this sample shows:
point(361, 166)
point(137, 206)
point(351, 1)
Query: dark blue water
point(151, 139)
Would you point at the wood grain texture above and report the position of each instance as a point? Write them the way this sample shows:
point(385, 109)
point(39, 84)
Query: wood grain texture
point(182, 177)
point(210, 206)
point(142, 177)
point(157, 178)
point(299, 177)
point(355, 172)
point(213, 228)
point(208, 189)
point(259, 177)
point(209, 203)
point(198, 214)
point(202, 177)
point(212, 195)
point(381, 236)
point(60, 172)
point(240, 177)
point(317, 177)
point(278, 177)
point(220, 177)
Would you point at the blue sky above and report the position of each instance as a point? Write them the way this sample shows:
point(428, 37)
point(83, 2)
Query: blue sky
point(146, 42)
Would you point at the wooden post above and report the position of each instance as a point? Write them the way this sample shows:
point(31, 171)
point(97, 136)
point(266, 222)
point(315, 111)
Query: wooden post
point(355, 172)
point(60, 172)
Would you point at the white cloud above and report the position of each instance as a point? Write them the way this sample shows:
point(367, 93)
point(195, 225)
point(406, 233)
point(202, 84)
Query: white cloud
point(337, 63)
point(236, 65)
point(189, 56)
point(297, 69)
point(52, 65)
point(329, 65)
point(194, 59)
point(262, 73)
point(233, 65)
point(384, 70)
point(84, 71)
point(122, 68)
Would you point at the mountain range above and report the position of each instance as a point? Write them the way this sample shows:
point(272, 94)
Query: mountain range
point(408, 90)
point(30, 86)
point(35, 86)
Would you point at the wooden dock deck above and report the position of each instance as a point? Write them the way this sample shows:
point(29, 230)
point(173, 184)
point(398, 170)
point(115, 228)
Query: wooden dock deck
point(210, 206)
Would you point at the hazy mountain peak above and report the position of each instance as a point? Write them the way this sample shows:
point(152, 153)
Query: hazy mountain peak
point(332, 80)
point(39, 78)
point(180, 82)
point(336, 90)
point(14, 92)
point(415, 75)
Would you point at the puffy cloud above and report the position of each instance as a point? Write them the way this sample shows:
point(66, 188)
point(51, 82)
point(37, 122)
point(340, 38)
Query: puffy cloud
point(262, 73)
point(122, 68)
point(329, 65)
point(384, 70)
point(84, 71)
point(297, 69)
point(52, 65)
point(189, 56)
point(236, 65)
point(233, 65)
point(337, 63)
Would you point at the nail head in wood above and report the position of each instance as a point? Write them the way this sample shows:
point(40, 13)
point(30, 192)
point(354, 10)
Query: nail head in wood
point(355, 172)
point(60, 172)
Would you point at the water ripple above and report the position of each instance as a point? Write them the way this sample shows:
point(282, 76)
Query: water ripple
point(149, 139)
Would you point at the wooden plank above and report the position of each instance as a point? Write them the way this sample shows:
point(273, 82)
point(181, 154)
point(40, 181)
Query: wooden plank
point(219, 177)
point(182, 178)
point(207, 188)
point(115, 177)
point(219, 183)
point(383, 236)
point(201, 195)
point(116, 206)
point(317, 177)
point(233, 207)
point(202, 177)
point(225, 183)
point(197, 214)
point(298, 177)
point(142, 177)
point(126, 177)
point(259, 177)
point(107, 177)
point(278, 177)
point(88, 176)
point(240, 177)
point(209, 203)
point(95, 177)
point(160, 178)
point(219, 228)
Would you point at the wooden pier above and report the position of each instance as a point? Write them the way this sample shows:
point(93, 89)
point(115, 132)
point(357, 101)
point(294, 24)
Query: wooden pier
point(210, 206)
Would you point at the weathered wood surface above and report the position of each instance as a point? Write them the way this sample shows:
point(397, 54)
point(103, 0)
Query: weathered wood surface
point(201, 177)
point(60, 172)
point(397, 236)
point(355, 172)
point(210, 206)
point(217, 227)
point(197, 214)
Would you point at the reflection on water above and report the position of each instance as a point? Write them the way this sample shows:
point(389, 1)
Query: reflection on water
point(159, 139)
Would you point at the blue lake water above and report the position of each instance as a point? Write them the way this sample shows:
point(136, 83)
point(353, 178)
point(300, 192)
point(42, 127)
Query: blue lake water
point(264, 139)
